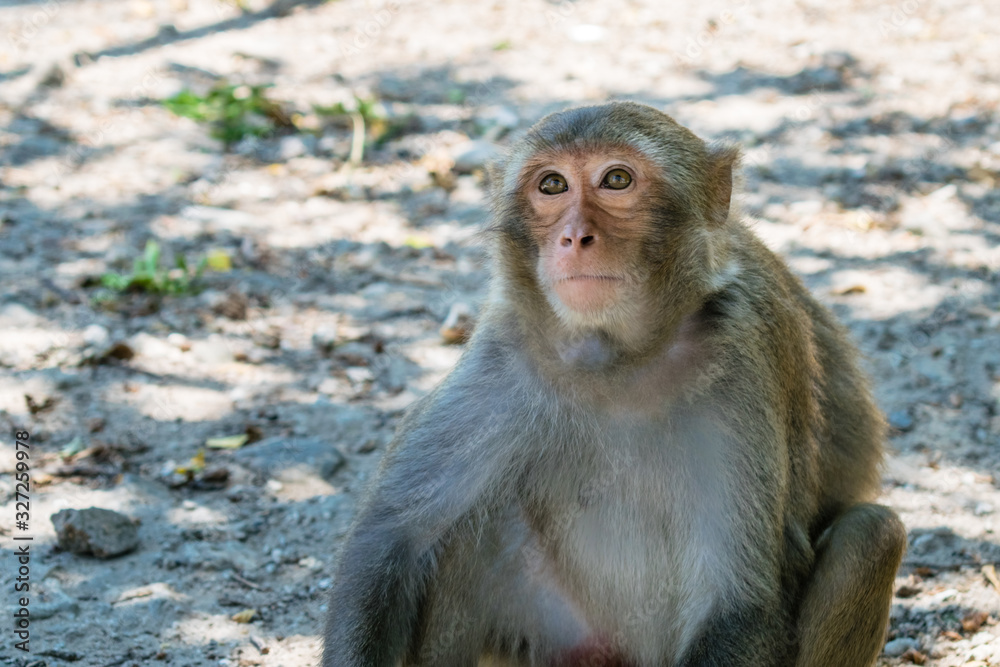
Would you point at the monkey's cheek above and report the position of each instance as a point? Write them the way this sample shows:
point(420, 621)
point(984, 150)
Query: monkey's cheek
point(588, 295)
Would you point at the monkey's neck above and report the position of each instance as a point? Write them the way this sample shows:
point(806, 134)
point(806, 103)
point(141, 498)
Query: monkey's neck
point(588, 351)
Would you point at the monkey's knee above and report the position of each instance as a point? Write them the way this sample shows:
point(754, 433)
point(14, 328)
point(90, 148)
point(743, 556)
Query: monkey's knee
point(845, 609)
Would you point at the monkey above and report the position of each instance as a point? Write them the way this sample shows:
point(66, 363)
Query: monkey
point(657, 448)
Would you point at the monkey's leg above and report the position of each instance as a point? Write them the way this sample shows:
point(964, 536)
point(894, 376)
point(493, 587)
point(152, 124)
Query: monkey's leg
point(748, 637)
point(845, 608)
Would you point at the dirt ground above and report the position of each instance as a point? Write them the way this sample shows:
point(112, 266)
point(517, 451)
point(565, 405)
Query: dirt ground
point(872, 145)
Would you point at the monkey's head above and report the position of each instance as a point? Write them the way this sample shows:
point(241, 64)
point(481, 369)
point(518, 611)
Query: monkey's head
point(610, 217)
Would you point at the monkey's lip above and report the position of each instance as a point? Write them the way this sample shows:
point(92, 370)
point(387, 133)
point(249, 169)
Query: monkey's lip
point(597, 278)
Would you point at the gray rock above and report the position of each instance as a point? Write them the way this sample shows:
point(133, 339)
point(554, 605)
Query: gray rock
point(497, 121)
point(393, 371)
point(325, 339)
point(900, 420)
point(96, 335)
point(274, 456)
point(898, 647)
point(295, 146)
point(96, 531)
point(473, 155)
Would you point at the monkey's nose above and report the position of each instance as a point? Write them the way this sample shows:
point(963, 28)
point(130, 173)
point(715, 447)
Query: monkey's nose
point(579, 240)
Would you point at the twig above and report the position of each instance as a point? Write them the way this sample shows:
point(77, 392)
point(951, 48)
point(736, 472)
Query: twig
point(259, 645)
point(247, 582)
point(358, 141)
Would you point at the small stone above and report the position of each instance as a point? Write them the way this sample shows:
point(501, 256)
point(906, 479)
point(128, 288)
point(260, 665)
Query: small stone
point(982, 509)
point(103, 533)
point(51, 601)
point(180, 341)
point(900, 420)
point(358, 375)
point(270, 339)
point(291, 147)
point(212, 350)
point(55, 77)
point(985, 653)
point(898, 647)
point(497, 121)
point(310, 563)
point(277, 456)
point(96, 336)
point(394, 371)
point(325, 339)
point(473, 155)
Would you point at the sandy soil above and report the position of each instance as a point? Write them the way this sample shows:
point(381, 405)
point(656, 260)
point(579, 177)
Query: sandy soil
point(873, 157)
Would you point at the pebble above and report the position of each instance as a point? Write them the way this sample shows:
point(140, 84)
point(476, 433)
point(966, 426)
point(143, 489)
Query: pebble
point(271, 456)
point(473, 155)
point(898, 647)
point(292, 147)
point(212, 350)
point(96, 336)
point(100, 532)
point(325, 338)
point(900, 420)
point(985, 653)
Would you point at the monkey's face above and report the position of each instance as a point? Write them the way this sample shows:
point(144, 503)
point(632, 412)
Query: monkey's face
point(588, 221)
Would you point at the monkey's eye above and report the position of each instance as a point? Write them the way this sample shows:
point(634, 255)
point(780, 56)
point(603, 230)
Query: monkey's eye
point(553, 184)
point(617, 179)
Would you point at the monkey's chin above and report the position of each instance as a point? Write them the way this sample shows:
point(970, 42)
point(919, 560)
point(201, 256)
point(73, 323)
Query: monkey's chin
point(588, 296)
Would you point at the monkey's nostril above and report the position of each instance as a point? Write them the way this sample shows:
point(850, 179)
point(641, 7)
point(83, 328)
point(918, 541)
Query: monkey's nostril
point(566, 242)
point(587, 240)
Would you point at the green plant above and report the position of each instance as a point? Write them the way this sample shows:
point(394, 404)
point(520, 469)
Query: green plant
point(233, 112)
point(148, 276)
point(368, 119)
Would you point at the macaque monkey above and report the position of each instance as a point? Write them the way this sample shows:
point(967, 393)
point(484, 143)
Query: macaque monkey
point(658, 448)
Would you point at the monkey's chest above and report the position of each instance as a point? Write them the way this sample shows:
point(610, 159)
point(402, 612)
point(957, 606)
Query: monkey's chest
point(638, 557)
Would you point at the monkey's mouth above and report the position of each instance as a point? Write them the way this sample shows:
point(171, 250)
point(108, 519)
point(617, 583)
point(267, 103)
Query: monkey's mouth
point(613, 279)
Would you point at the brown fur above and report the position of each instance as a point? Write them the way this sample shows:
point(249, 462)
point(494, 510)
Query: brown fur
point(685, 484)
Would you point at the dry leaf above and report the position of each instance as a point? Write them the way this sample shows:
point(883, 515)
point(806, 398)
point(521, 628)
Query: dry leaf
point(990, 573)
point(218, 260)
point(973, 621)
point(228, 441)
point(195, 465)
point(853, 289)
point(244, 616)
point(914, 656)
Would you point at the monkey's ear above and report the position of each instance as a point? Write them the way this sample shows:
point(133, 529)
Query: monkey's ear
point(723, 159)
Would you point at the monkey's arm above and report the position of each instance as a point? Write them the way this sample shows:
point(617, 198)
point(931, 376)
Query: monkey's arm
point(439, 466)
